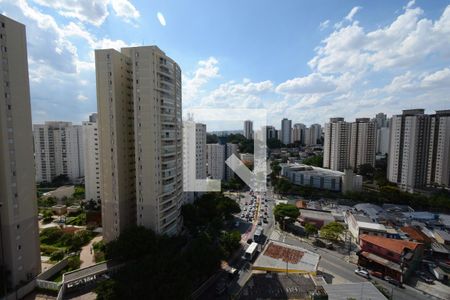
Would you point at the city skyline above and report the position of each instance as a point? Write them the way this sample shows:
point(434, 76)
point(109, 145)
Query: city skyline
point(380, 65)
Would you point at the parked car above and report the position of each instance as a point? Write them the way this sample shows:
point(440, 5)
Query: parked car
point(393, 281)
point(249, 241)
point(362, 273)
point(265, 220)
point(376, 274)
point(424, 277)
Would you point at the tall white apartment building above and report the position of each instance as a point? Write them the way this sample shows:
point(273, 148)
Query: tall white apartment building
point(439, 150)
point(140, 133)
point(248, 129)
point(313, 135)
point(298, 133)
point(408, 149)
point(363, 143)
point(199, 147)
point(58, 150)
point(383, 140)
point(381, 120)
point(286, 131)
point(216, 161)
point(230, 149)
point(91, 158)
point(20, 259)
point(336, 149)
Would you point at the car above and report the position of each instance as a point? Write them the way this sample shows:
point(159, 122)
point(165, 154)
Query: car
point(393, 281)
point(259, 222)
point(363, 273)
point(265, 220)
point(242, 215)
point(221, 287)
point(237, 224)
point(424, 277)
point(249, 241)
point(376, 274)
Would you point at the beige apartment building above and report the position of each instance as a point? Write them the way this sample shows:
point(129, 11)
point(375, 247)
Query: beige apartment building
point(20, 260)
point(91, 158)
point(439, 149)
point(408, 149)
point(336, 148)
point(139, 124)
point(363, 143)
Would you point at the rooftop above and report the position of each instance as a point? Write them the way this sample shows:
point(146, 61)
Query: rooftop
point(416, 234)
point(396, 246)
point(279, 257)
point(311, 169)
point(357, 291)
point(277, 286)
point(316, 214)
point(443, 234)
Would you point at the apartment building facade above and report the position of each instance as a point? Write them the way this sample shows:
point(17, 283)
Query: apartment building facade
point(336, 150)
point(286, 131)
point(248, 129)
point(20, 259)
point(91, 159)
point(58, 150)
point(363, 141)
point(140, 132)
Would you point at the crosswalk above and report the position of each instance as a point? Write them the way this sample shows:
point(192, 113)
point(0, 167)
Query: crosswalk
point(275, 236)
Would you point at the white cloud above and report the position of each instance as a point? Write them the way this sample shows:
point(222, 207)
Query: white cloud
point(324, 25)
point(313, 83)
point(92, 11)
point(352, 13)
point(124, 9)
point(161, 19)
point(82, 97)
point(207, 70)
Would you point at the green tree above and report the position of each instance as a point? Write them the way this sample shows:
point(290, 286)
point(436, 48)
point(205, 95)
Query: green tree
point(230, 241)
point(332, 231)
point(316, 160)
point(105, 290)
point(310, 229)
point(366, 170)
point(282, 211)
point(274, 143)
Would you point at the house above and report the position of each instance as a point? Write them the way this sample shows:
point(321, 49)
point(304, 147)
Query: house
point(392, 257)
point(442, 237)
point(318, 218)
point(416, 235)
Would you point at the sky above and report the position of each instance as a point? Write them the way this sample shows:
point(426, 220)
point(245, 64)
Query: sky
point(304, 60)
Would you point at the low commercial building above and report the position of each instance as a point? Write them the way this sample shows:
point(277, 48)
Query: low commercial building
point(318, 218)
point(361, 224)
point(392, 257)
point(61, 192)
point(416, 235)
point(284, 258)
point(320, 178)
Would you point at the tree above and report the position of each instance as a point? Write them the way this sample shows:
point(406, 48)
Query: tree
point(332, 231)
point(230, 241)
point(310, 229)
point(316, 160)
point(282, 211)
point(366, 170)
point(105, 290)
point(274, 143)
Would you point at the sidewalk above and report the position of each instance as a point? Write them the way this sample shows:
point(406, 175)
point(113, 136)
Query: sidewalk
point(87, 253)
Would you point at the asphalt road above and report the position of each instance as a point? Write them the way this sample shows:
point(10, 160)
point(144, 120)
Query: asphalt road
point(334, 265)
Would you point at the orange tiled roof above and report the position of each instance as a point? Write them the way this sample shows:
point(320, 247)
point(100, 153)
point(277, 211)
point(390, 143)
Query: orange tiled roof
point(416, 234)
point(396, 246)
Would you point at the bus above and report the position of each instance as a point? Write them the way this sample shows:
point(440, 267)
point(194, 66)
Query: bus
point(251, 251)
point(257, 237)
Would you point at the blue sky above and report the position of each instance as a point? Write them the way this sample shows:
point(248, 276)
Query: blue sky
point(305, 60)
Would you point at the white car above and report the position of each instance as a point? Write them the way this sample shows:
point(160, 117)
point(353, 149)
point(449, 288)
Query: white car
point(362, 273)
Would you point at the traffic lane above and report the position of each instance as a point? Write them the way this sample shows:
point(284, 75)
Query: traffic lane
point(339, 267)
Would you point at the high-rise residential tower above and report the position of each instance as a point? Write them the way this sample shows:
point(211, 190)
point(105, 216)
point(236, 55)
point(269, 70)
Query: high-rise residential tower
point(248, 129)
point(271, 132)
point(91, 159)
point(408, 149)
point(58, 151)
point(439, 150)
point(363, 143)
point(286, 131)
point(139, 106)
point(216, 161)
point(20, 259)
point(336, 149)
point(313, 135)
point(196, 150)
point(298, 133)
